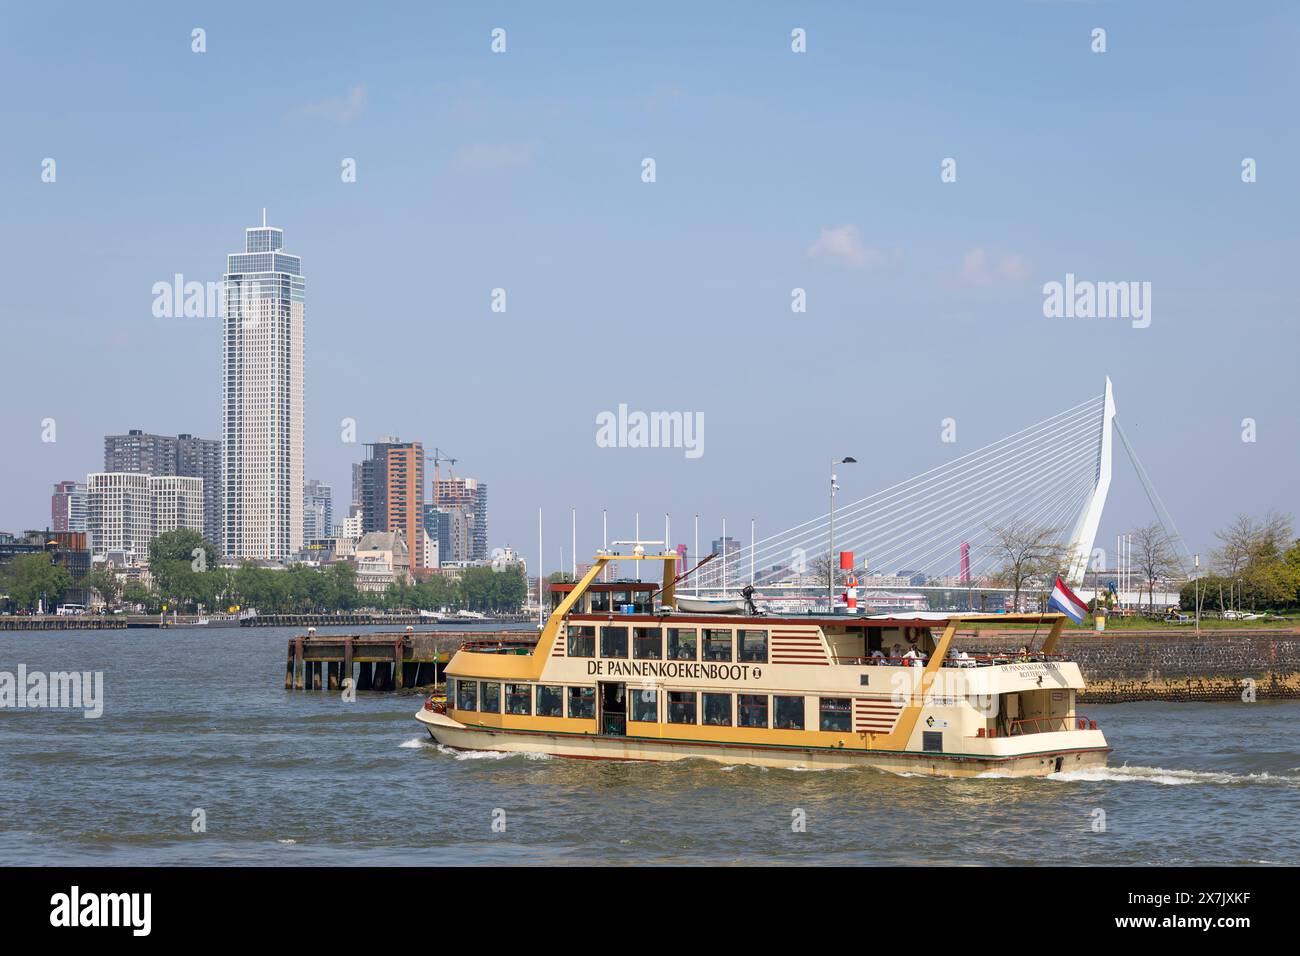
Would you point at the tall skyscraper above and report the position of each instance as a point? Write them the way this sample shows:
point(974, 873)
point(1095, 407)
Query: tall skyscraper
point(139, 453)
point(317, 510)
point(392, 493)
point(262, 398)
point(68, 506)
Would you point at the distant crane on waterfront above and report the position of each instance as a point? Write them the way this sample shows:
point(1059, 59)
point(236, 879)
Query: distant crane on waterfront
point(438, 457)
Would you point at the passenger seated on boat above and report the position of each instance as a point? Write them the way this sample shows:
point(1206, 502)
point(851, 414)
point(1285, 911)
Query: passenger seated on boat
point(896, 655)
point(1024, 655)
point(878, 653)
point(913, 656)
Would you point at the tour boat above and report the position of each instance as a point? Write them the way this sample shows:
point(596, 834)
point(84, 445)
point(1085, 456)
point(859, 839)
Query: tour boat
point(621, 672)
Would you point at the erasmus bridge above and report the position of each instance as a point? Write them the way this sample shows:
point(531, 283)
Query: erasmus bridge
point(1052, 476)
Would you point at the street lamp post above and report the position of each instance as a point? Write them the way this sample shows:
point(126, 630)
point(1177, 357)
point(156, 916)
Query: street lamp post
point(1196, 591)
point(830, 575)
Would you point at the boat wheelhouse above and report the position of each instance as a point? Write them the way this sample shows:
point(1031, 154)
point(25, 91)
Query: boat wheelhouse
point(620, 672)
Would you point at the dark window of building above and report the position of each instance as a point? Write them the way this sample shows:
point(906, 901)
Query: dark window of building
point(467, 695)
point(788, 712)
point(932, 740)
point(582, 640)
point(518, 699)
point(717, 644)
point(647, 643)
point(550, 701)
point(582, 702)
point(753, 646)
point(681, 706)
point(645, 705)
point(613, 642)
point(717, 710)
point(491, 702)
point(682, 644)
point(836, 713)
point(751, 710)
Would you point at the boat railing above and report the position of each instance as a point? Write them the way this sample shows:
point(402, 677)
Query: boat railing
point(1045, 725)
point(522, 648)
point(969, 660)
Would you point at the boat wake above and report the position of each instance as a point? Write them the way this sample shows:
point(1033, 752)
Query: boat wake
point(488, 754)
point(1171, 778)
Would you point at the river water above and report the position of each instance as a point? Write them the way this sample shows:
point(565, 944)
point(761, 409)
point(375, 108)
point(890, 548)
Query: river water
point(196, 726)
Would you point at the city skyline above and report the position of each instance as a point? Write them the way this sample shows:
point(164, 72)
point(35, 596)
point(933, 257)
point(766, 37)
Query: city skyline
point(496, 182)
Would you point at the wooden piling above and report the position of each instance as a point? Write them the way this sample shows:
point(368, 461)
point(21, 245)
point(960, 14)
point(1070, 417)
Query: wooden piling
point(398, 669)
point(365, 681)
point(334, 668)
point(347, 659)
point(288, 669)
point(299, 665)
point(315, 675)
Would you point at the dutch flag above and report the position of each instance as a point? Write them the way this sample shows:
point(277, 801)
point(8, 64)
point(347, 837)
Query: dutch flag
point(1067, 602)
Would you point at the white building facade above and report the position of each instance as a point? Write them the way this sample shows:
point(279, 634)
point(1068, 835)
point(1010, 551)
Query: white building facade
point(125, 511)
point(262, 399)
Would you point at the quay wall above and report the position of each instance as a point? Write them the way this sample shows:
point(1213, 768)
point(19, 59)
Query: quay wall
point(1140, 666)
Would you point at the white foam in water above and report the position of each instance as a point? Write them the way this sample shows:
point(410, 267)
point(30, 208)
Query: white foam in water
point(286, 842)
point(1172, 778)
point(489, 754)
point(412, 743)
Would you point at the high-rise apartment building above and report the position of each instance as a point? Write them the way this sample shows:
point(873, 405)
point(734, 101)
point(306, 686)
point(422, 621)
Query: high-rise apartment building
point(125, 511)
point(392, 493)
point(68, 506)
point(317, 511)
point(469, 496)
point(184, 455)
point(262, 398)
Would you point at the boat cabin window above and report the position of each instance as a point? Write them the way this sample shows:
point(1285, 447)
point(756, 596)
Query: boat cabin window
point(753, 646)
point(645, 705)
point(550, 701)
point(599, 601)
point(647, 643)
point(682, 645)
point(582, 702)
point(613, 601)
point(518, 699)
point(490, 702)
point(681, 706)
point(751, 710)
point(788, 712)
point(582, 640)
point(717, 644)
point(717, 710)
point(613, 642)
point(836, 714)
point(451, 692)
point(467, 695)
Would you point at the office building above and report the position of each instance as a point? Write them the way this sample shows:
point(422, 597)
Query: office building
point(68, 506)
point(141, 453)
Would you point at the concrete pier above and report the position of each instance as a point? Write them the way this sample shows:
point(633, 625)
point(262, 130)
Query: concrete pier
point(391, 661)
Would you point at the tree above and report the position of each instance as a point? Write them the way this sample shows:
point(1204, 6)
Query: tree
point(180, 562)
point(1024, 551)
point(103, 581)
point(1248, 556)
point(1153, 553)
point(33, 578)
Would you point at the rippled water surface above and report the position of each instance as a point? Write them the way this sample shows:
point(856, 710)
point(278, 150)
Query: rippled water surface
point(197, 719)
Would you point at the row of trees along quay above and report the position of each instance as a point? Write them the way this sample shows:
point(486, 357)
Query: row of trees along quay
point(186, 575)
point(1256, 567)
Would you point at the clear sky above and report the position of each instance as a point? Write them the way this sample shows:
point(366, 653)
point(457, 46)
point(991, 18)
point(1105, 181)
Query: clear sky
point(774, 170)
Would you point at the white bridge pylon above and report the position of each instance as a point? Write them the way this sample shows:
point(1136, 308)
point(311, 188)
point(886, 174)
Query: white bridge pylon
point(1053, 475)
point(1085, 529)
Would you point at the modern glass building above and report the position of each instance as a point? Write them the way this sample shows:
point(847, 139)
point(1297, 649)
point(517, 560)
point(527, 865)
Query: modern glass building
point(262, 398)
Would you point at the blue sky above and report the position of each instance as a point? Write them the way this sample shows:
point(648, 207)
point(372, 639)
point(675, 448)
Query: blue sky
point(522, 171)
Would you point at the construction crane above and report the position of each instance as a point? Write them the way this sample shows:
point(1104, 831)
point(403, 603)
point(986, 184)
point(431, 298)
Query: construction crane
point(438, 457)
